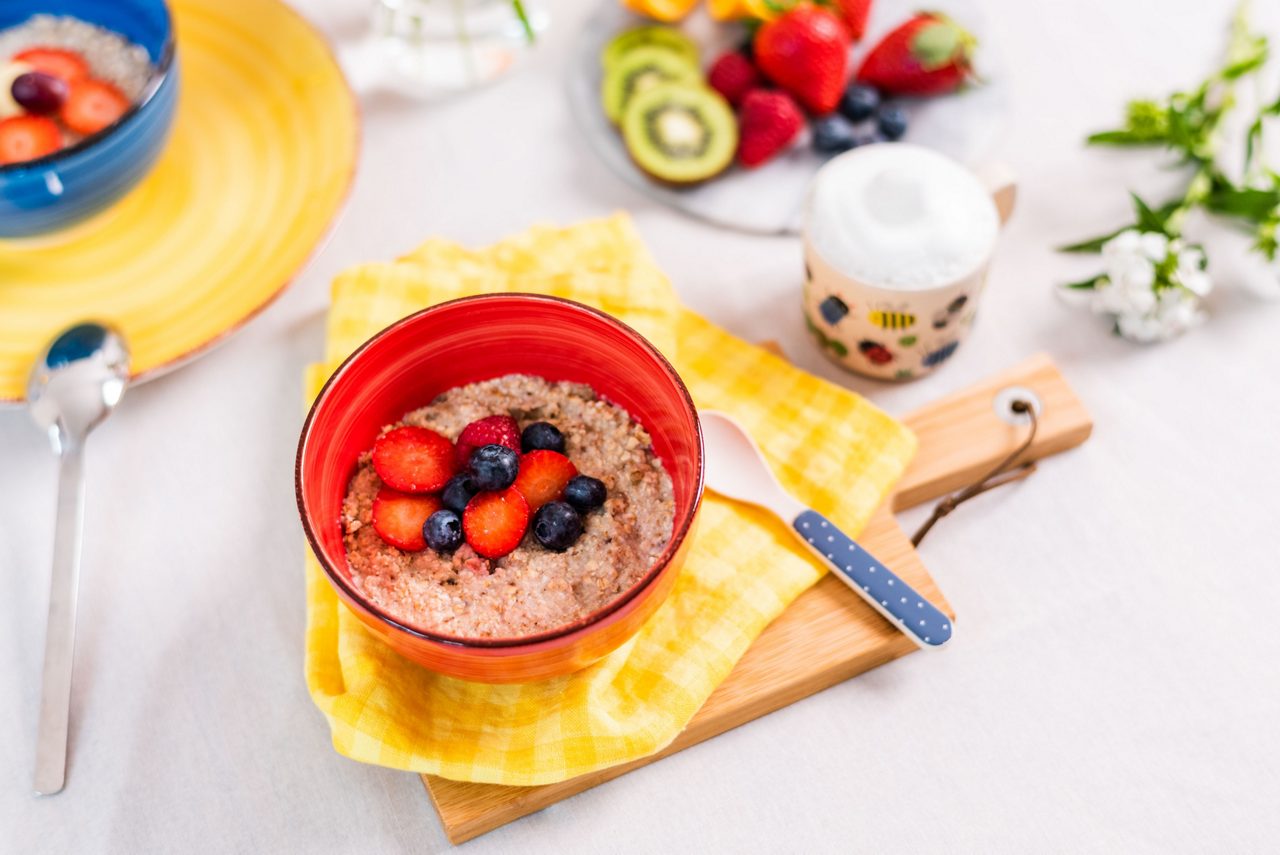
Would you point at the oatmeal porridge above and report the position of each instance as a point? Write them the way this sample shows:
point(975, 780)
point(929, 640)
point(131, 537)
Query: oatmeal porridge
point(506, 508)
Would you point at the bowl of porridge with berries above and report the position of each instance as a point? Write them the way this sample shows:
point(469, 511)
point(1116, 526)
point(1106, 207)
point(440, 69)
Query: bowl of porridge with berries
point(88, 92)
point(502, 487)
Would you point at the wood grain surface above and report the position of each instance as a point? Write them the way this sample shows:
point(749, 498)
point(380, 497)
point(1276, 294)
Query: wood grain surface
point(828, 634)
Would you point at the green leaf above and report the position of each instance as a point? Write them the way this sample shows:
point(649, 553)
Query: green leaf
point(1120, 138)
point(1085, 284)
point(1093, 244)
point(1247, 203)
point(1149, 220)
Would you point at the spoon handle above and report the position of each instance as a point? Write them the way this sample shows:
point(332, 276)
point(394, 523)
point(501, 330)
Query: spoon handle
point(921, 621)
point(60, 634)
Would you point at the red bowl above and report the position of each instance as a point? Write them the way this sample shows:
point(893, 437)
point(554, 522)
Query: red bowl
point(462, 341)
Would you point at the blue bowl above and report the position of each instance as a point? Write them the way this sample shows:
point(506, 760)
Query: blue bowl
point(53, 192)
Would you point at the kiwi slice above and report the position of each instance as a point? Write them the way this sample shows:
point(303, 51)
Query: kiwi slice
point(680, 134)
point(667, 38)
point(641, 69)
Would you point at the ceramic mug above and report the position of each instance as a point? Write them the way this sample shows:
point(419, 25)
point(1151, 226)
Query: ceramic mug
point(897, 243)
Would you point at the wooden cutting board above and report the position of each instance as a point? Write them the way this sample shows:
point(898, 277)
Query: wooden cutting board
point(828, 634)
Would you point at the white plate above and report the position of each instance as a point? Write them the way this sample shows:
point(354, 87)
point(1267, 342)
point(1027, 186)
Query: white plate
point(768, 200)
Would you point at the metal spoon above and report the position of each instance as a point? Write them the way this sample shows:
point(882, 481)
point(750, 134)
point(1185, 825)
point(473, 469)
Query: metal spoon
point(74, 385)
point(737, 470)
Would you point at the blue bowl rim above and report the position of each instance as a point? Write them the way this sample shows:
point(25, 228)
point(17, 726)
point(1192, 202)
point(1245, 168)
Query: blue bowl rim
point(161, 74)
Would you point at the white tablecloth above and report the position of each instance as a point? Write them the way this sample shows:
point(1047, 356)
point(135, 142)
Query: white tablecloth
point(1116, 685)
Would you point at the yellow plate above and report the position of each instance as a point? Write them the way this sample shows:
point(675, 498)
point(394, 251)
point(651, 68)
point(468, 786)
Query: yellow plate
point(262, 154)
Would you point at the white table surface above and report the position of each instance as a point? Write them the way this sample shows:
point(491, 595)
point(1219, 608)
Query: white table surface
point(1116, 685)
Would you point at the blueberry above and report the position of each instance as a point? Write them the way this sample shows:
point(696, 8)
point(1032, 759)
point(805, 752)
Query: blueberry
point(494, 467)
point(859, 102)
point(458, 492)
point(585, 492)
point(892, 122)
point(542, 435)
point(557, 526)
point(443, 531)
point(833, 309)
point(832, 135)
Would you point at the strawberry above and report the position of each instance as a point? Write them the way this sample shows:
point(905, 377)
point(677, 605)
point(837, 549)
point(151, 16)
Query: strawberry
point(91, 105)
point(806, 52)
point(67, 65)
point(494, 523)
point(398, 518)
point(27, 137)
point(492, 430)
point(543, 476)
point(733, 76)
point(414, 460)
point(855, 13)
point(769, 121)
point(928, 55)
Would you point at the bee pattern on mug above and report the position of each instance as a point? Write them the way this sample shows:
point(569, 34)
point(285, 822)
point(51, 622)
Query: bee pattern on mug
point(890, 317)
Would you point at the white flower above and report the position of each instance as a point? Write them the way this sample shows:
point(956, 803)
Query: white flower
point(1154, 246)
point(1190, 273)
point(1126, 243)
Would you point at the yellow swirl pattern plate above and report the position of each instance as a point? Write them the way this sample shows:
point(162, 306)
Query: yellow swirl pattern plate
point(262, 154)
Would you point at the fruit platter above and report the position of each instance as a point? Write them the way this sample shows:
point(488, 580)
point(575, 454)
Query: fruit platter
point(728, 120)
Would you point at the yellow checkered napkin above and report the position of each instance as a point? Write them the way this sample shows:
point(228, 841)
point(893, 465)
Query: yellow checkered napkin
point(831, 448)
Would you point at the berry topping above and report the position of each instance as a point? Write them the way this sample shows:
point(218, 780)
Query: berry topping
point(585, 492)
point(859, 102)
point(39, 93)
point(806, 52)
point(458, 492)
point(557, 526)
point(93, 105)
point(542, 435)
point(495, 523)
point(832, 135)
point(27, 137)
point(67, 65)
point(414, 459)
point(892, 122)
point(543, 476)
point(768, 124)
point(733, 76)
point(398, 518)
point(492, 430)
point(494, 467)
point(443, 530)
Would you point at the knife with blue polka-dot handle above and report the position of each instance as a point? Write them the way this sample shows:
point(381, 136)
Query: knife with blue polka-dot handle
point(735, 468)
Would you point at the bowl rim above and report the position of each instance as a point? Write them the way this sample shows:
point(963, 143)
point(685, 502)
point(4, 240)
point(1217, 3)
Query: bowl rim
point(683, 527)
point(161, 74)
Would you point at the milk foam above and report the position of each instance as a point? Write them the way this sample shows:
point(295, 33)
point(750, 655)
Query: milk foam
point(900, 217)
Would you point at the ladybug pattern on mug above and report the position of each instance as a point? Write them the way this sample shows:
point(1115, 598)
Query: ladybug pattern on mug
point(875, 352)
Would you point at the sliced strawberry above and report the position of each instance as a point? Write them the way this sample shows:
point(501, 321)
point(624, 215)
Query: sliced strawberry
point(543, 476)
point(398, 518)
point(64, 64)
point(414, 460)
point(494, 523)
point(25, 138)
point(491, 430)
point(92, 105)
